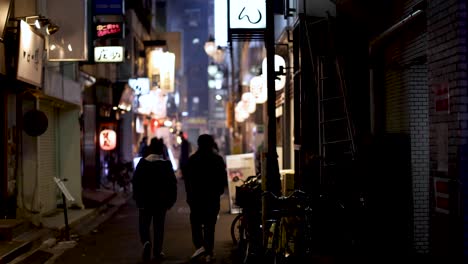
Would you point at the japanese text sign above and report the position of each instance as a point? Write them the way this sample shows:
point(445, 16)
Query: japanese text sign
point(30, 53)
point(247, 14)
point(109, 30)
point(108, 54)
point(107, 139)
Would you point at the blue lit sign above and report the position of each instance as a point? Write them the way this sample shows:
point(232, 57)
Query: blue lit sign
point(108, 7)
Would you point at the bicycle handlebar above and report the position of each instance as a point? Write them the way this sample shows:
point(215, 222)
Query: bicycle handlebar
point(250, 178)
point(295, 194)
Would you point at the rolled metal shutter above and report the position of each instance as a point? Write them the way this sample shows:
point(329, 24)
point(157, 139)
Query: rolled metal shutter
point(401, 73)
point(396, 103)
point(47, 159)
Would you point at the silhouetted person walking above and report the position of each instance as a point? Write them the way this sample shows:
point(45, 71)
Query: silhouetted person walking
point(143, 148)
point(205, 177)
point(185, 150)
point(155, 191)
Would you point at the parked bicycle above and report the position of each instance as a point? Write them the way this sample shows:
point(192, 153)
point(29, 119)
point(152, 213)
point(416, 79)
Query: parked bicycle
point(289, 228)
point(121, 174)
point(246, 226)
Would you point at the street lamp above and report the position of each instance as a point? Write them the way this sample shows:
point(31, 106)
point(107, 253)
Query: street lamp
point(213, 51)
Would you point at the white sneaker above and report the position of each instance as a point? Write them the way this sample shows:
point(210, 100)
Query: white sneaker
point(198, 252)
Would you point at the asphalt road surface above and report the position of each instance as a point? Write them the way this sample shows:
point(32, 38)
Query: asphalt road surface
point(116, 241)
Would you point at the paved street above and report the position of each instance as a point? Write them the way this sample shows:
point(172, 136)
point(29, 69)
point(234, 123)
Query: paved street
point(116, 241)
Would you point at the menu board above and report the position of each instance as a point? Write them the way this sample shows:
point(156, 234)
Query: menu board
point(239, 168)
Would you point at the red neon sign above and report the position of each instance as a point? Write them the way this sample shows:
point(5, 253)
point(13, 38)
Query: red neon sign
point(103, 30)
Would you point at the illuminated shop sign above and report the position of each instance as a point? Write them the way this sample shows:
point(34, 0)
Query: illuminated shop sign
point(247, 14)
point(30, 54)
point(109, 30)
point(107, 139)
point(108, 54)
point(161, 68)
point(108, 7)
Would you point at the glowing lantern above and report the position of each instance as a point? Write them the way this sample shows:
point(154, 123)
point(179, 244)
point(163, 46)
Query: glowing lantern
point(259, 92)
point(154, 124)
point(240, 112)
point(249, 100)
point(161, 66)
point(107, 139)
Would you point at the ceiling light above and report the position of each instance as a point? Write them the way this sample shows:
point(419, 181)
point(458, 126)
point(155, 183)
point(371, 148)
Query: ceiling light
point(41, 22)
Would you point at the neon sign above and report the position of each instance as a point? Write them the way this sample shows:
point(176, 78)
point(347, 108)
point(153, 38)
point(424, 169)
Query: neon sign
point(109, 30)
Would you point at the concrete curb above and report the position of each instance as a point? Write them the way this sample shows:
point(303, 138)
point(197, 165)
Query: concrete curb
point(50, 240)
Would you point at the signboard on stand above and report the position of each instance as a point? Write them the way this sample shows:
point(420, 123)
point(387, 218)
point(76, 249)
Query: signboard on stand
point(239, 168)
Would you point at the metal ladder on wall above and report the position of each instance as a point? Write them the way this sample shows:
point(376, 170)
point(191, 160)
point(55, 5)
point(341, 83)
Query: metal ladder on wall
point(336, 131)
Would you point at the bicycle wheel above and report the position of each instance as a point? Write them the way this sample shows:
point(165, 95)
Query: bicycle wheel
point(237, 229)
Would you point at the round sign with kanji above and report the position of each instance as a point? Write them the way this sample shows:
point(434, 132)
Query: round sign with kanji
point(107, 139)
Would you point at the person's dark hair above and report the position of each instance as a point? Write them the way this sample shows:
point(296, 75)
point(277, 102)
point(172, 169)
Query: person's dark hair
point(206, 142)
point(156, 146)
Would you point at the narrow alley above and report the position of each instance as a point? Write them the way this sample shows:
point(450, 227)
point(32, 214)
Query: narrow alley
point(116, 241)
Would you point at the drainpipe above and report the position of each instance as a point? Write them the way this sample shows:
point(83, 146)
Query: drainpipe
point(271, 180)
point(399, 25)
point(272, 176)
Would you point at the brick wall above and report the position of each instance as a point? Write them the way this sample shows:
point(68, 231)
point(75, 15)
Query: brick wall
point(406, 93)
point(419, 131)
point(447, 64)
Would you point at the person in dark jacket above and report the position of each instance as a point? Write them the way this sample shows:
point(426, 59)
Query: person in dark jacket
point(165, 152)
point(143, 148)
point(185, 150)
point(205, 178)
point(155, 191)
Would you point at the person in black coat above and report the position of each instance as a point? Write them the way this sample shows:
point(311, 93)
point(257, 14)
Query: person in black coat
point(155, 191)
point(205, 177)
point(185, 150)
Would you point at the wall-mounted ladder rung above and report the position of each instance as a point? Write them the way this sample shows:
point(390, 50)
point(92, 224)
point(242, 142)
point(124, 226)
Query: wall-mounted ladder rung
point(336, 132)
point(336, 141)
point(331, 98)
point(333, 120)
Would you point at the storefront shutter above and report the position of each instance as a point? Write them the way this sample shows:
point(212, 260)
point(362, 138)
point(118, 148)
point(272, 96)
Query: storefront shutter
point(47, 161)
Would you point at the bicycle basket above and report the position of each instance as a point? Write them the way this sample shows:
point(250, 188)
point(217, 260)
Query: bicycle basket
point(247, 196)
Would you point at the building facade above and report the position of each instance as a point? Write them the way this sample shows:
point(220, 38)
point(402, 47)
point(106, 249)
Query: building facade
point(404, 68)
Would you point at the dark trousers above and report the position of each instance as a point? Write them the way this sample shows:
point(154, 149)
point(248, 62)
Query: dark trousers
point(203, 221)
point(157, 216)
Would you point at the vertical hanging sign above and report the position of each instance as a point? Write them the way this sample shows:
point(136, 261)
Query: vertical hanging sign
point(30, 50)
point(247, 19)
